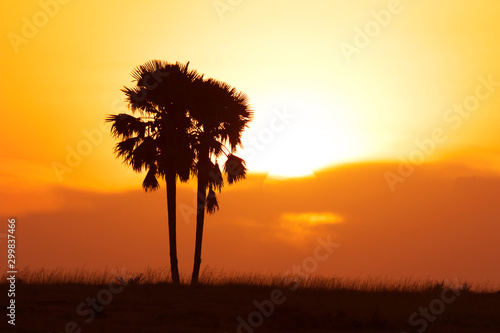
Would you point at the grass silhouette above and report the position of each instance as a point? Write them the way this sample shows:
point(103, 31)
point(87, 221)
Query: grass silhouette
point(48, 300)
point(220, 277)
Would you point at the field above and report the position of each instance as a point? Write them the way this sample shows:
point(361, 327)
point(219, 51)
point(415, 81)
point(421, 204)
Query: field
point(78, 301)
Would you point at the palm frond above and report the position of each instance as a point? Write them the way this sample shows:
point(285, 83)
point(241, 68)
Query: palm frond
point(136, 99)
point(185, 160)
point(145, 154)
point(235, 168)
point(211, 202)
point(126, 148)
point(215, 179)
point(215, 146)
point(125, 125)
point(150, 182)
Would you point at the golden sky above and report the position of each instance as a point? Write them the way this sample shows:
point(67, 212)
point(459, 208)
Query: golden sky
point(332, 83)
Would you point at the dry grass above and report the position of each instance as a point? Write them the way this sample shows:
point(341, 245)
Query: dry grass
point(218, 277)
point(47, 300)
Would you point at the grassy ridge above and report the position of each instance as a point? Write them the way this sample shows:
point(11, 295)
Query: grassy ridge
point(211, 276)
point(48, 301)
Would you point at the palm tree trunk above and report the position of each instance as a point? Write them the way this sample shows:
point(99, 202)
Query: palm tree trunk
point(200, 216)
point(172, 232)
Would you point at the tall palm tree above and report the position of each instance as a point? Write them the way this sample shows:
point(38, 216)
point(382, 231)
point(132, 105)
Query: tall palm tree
point(158, 139)
point(220, 114)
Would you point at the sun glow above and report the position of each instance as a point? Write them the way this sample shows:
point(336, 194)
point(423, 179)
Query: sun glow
point(295, 134)
point(312, 218)
point(303, 223)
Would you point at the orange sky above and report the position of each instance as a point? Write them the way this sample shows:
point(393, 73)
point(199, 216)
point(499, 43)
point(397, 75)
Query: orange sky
point(420, 83)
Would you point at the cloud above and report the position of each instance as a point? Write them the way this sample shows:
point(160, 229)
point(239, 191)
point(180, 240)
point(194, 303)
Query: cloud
point(312, 218)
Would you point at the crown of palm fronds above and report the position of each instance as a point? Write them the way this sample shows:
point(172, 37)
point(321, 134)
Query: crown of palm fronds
point(160, 139)
point(160, 86)
point(220, 114)
point(221, 111)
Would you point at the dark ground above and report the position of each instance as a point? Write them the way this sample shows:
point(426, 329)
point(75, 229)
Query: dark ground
point(167, 308)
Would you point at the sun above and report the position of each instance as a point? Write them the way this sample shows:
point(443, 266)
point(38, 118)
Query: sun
point(301, 134)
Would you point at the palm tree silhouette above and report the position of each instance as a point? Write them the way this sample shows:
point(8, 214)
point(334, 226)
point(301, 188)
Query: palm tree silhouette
point(158, 139)
point(220, 114)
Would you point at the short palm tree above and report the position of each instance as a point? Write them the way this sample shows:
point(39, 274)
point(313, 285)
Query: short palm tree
point(220, 114)
point(158, 139)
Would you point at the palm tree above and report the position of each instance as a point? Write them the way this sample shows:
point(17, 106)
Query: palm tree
point(158, 139)
point(220, 114)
